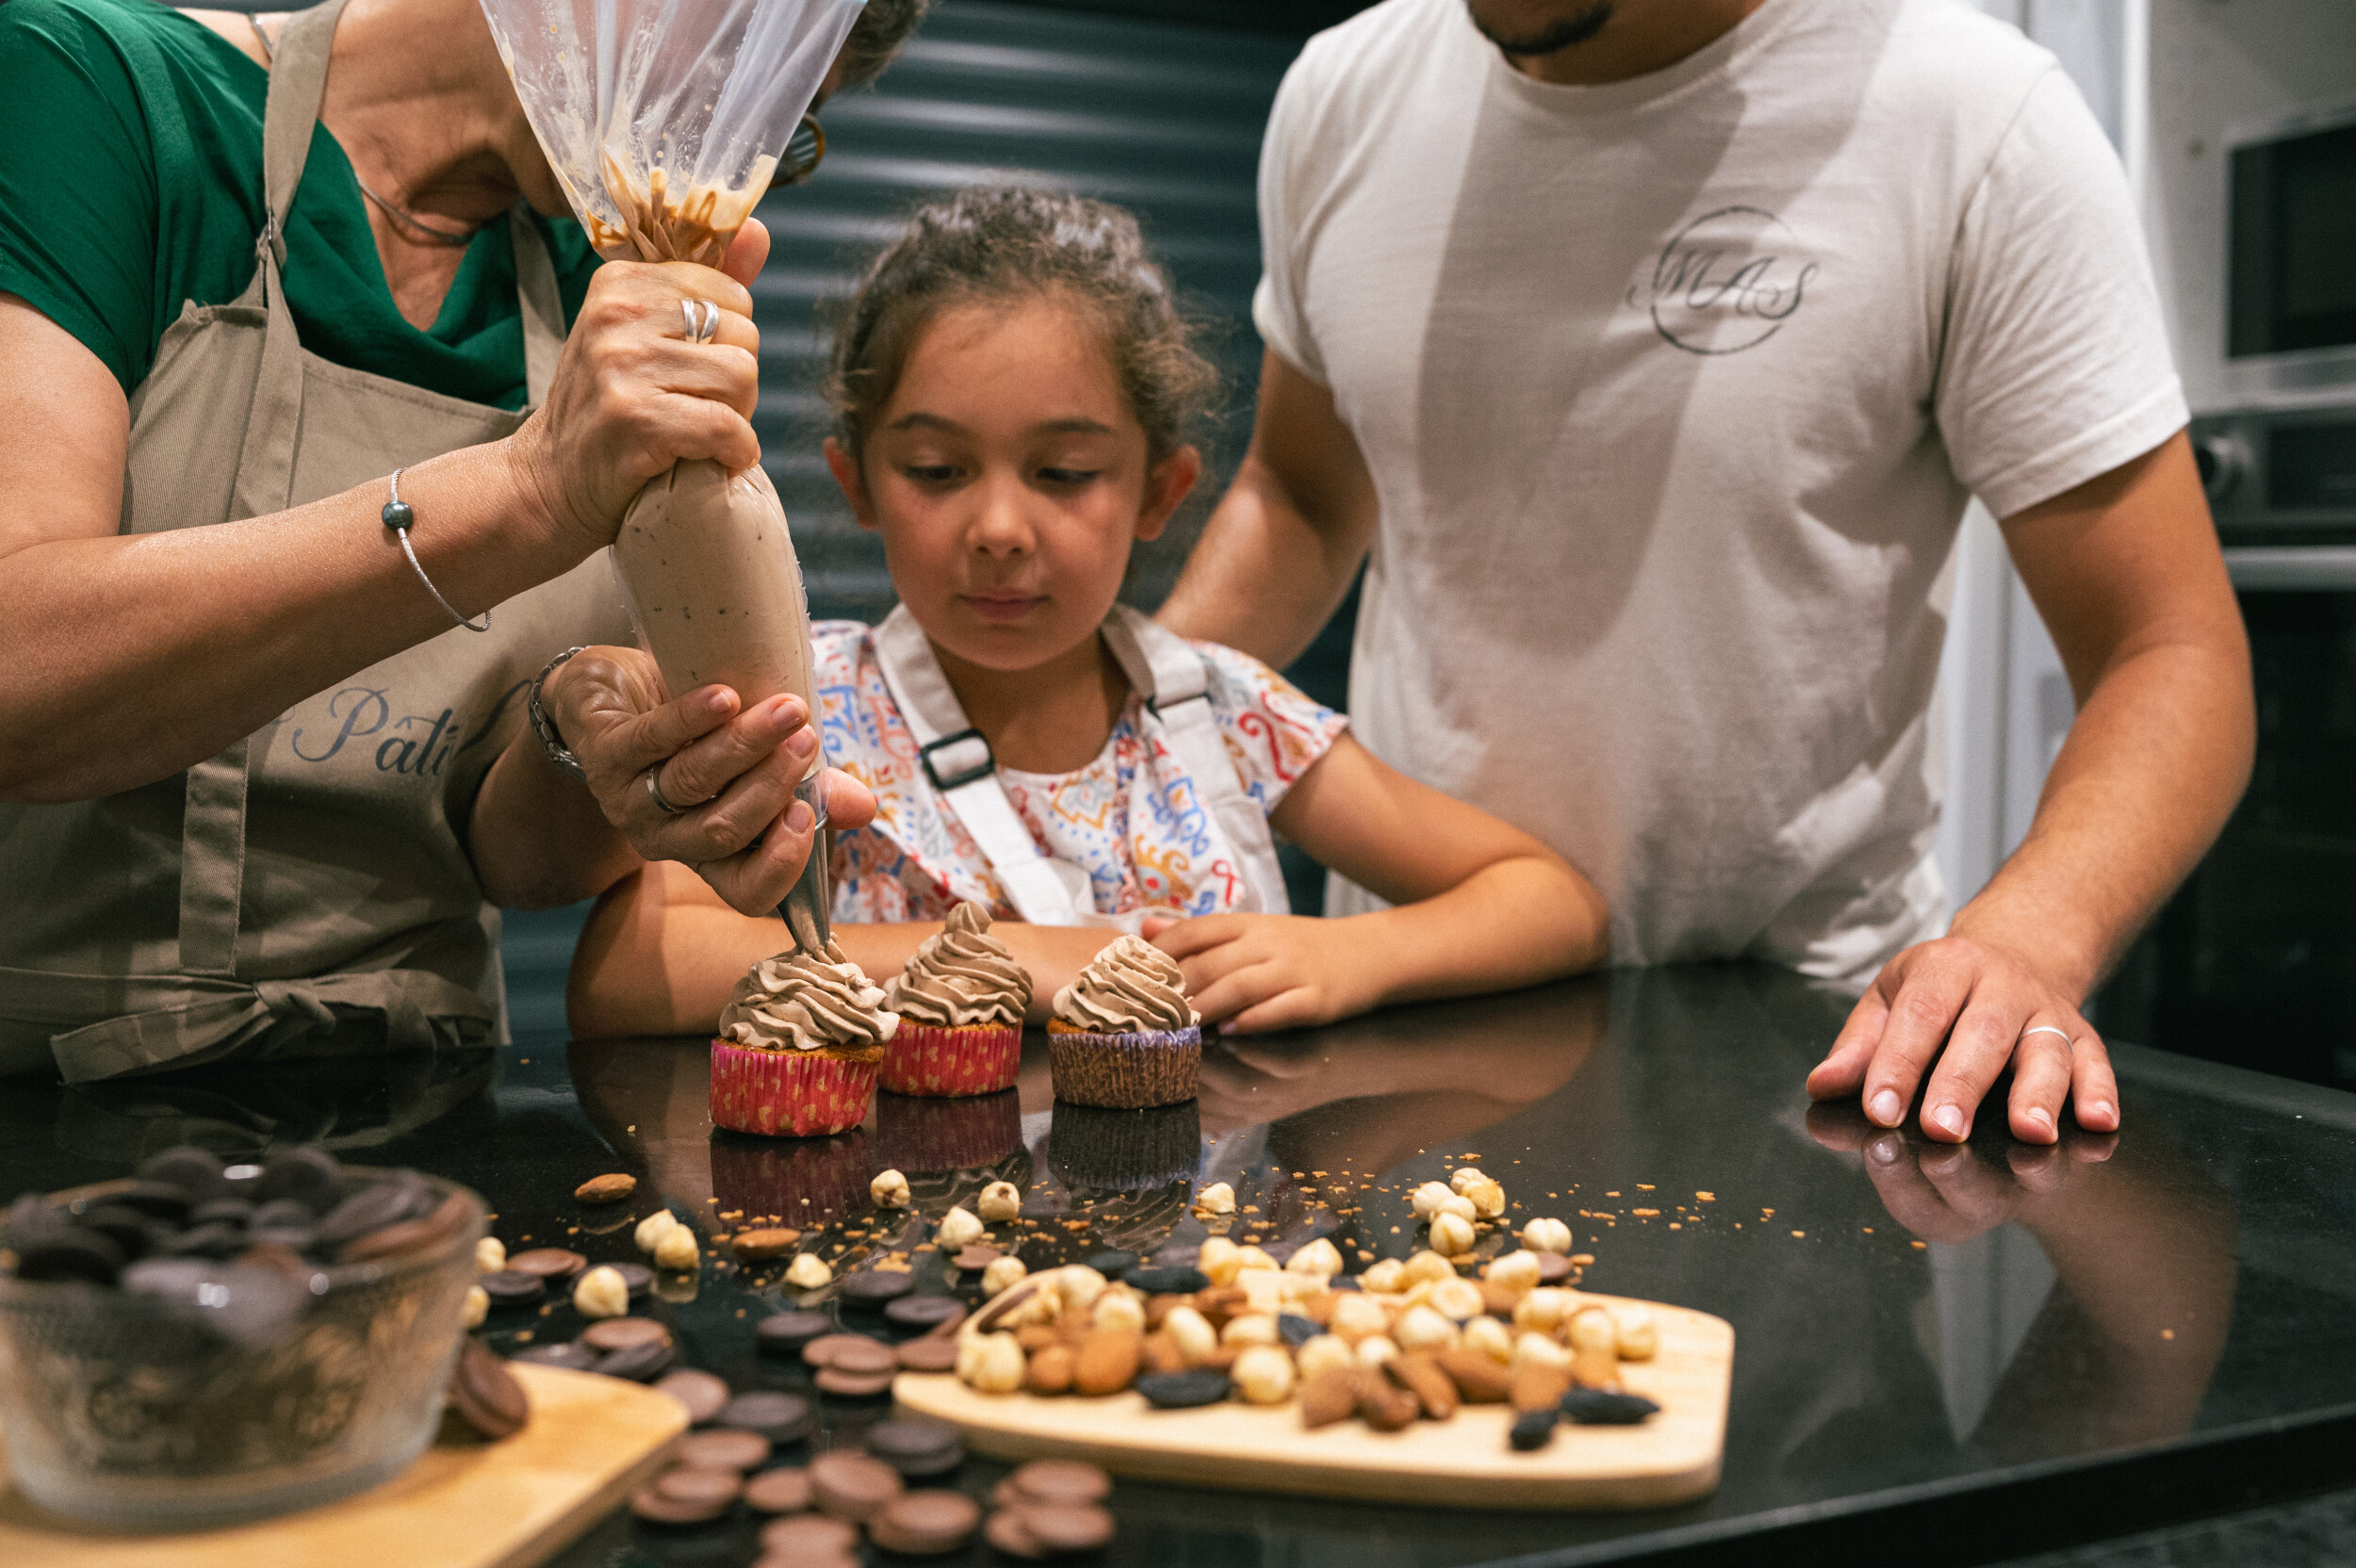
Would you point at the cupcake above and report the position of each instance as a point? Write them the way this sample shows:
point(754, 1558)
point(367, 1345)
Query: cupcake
point(1123, 1034)
point(799, 1046)
point(960, 1000)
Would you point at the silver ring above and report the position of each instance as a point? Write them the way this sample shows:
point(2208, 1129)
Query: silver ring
point(655, 790)
point(2047, 1029)
point(703, 319)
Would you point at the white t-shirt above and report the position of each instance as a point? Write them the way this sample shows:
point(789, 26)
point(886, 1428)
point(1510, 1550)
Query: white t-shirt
point(1673, 391)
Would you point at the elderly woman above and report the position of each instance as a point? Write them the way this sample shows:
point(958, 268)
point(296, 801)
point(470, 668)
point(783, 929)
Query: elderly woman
point(260, 791)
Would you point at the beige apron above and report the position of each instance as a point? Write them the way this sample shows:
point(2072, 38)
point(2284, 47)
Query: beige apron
point(311, 880)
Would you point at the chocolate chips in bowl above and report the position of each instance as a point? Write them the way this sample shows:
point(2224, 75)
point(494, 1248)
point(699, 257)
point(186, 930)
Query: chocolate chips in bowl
point(203, 1343)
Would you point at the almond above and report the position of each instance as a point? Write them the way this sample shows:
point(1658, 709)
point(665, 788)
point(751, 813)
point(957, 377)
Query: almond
point(1036, 1336)
point(1330, 1395)
point(1157, 1308)
point(1162, 1353)
point(1539, 1387)
point(1384, 1405)
point(1478, 1379)
point(1221, 1302)
point(1050, 1371)
point(1420, 1375)
point(1107, 1359)
point(1595, 1369)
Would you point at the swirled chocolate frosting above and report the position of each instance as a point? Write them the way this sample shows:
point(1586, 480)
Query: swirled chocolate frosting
point(800, 1001)
point(1129, 987)
point(963, 977)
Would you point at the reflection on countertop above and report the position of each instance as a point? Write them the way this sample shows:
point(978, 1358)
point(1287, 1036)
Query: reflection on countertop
point(1919, 1328)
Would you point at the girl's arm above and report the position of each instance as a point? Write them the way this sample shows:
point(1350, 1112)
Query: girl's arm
point(1481, 906)
point(662, 954)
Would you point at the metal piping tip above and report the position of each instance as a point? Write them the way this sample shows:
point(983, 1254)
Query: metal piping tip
point(806, 902)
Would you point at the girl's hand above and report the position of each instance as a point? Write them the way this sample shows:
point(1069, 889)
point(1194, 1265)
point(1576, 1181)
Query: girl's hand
point(1252, 972)
point(733, 771)
point(633, 394)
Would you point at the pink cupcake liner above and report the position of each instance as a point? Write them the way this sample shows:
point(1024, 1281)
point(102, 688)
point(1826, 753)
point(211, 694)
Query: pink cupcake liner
point(928, 1060)
point(781, 1093)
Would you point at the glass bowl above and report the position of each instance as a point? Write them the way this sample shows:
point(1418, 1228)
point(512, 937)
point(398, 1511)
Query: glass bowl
point(121, 1408)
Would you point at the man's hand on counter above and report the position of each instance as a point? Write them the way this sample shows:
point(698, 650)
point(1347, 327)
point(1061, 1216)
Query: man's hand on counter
point(722, 779)
point(1974, 1009)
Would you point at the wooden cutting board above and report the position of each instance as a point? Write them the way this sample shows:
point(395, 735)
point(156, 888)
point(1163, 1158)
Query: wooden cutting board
point(1460, 1462)
point(590, 1441)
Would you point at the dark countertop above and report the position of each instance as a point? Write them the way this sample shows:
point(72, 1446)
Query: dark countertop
point(1955, 1355)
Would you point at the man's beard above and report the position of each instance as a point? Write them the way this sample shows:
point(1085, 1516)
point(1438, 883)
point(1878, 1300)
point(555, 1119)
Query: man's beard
point(1576, 28)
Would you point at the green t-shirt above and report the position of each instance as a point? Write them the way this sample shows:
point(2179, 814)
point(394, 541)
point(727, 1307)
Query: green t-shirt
point(131, 181)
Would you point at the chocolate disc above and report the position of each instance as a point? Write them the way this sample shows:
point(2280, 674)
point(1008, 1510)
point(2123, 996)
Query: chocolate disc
point(1006, 1531)
point(655, 1509)
point(1114, 1264)
point(636, 1276)
point(926, 1524)
point(924, 1311)
point(573, 1358)
point(512, 1287)
point(485, 1394)
point(1061, 1481)
point(1553, 1269)
point(777, 1416)
point(891, 1440)
point(852, 1486)
point(861, 1355)
point(723, 1448)
point(702, 1395)
point(872, 1287)
point(640, 1364)
point(928, 1354)
point(976, 1258)
point(821, 1351)
point(1066, 1526)
point(707, 1484)
point(853, 1385)
point(813, 1533)
point(781, 1491)
point(621, 1333)
point(791, 1331)
point(549, 1262)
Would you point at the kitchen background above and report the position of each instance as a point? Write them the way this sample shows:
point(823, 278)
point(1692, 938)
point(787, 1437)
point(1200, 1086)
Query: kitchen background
point(1159, 104)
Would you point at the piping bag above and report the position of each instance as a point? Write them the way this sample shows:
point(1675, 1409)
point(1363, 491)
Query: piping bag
point(664, 121)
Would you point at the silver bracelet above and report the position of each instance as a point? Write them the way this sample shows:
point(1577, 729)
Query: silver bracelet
point(400, 518)
point(542, 725)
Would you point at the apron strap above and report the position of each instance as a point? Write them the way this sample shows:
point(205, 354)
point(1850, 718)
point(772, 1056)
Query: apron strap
point(957, 760)
point(1157, 660)
point(542, 307)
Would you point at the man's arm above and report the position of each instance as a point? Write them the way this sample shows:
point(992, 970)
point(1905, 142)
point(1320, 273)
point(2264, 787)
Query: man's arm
point(1279, 553)
point(2126, 571)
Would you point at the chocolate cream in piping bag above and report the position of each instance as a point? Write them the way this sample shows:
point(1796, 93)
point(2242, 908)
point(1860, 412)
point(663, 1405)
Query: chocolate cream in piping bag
point(802, 1000)
point(963, 977)
point(1130, 988)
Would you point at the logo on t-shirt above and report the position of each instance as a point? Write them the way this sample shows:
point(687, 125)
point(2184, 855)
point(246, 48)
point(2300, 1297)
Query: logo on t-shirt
point(1725, 282)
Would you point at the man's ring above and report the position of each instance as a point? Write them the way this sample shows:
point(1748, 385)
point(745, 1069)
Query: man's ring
point(656, 790)
point(703, 319)
point(2040, 1029)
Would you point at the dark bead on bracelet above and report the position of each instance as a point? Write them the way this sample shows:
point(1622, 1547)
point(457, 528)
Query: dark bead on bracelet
point(398, 515)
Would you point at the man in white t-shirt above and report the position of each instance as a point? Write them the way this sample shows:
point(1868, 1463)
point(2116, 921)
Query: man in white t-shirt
point(1654, 349)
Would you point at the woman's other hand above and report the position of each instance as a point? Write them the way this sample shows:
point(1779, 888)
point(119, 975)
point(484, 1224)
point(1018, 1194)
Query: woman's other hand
point(633, 394)
point(1252, 972)
point(731, 774)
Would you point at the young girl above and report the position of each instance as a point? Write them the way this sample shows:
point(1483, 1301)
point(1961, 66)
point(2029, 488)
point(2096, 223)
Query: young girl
point(1013, 389)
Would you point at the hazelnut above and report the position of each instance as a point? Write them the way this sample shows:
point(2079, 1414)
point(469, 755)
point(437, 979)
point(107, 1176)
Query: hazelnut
point(1355, 1318)
point(1249, 1257)
point(676, 1250)
point(1546, 1235)
point(1518, 1272)
point(1216, 1198)
point(1457, 1205)
point(1322, 1354)
point(1220, 1260)
point(1452, 1234)
point(652, 1229)
point(490, 1254)
point(1591, 1328)
point(992, 1363)
point(1120, 1308)
point(1385, 1277)
point(478, 1306)
point(1375, 1350)
point(889, 1189)
point(1320, 1258)
point(1543, 1308)
point(1002, 1272)
point(1481, 1191)
point(1428, 1199)
point(1079, 1286)
point(1536, 1348)
point(1458, 1299)
point(1427, 1265)
point(601, 1293)
point(1263, 1375)
point(1252, 1327)
point(1421, 1329)
point(1464, 1176)
point(809, 1271)
point(1638, 1337)
point(958, 1229)
point(999, 1202)
point(1490, 1337)
point(1192, 1334)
